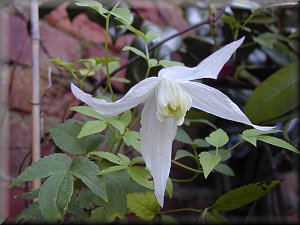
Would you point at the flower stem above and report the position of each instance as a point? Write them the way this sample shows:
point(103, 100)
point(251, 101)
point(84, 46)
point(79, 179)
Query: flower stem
point(186, 180)
point(186, 167)
point(106, 57)
point(181, 210)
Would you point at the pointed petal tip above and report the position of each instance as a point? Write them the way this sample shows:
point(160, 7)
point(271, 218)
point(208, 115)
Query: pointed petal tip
point(262, 128)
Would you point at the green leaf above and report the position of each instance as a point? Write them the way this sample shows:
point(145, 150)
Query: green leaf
point(65, 136)
point(208, 162)
point(168, 63)
point(123, 14)
point(126, 118)
point(214, 217)
point(224, 169)
point(87, 171)
point(265, 39)
point(29, 214)
point(116, 192)
point(183, 153)
point(151, 35)
point(116, 124)
point(144, 205)
point(66, 65)
point(88, 111)
point(166, 219)
point(141, 176)
point(153, 62)
point(125, 161)
point(199, 142)
point(277, 142)
point(182, 136)
point(251, 135)
point(92, 4)
point(112, 169)
point(30, 195)
point(49, 165)
point(108, 156)
point(135, 31)
point(132, 138)
point(244, 195)
point(275, 96)
point(98, 216)
point(135, 50)
point(136, 160)
point(217, 138)
point(169, 187)
point(55, 195)
point(120, 79)
point(92, 127)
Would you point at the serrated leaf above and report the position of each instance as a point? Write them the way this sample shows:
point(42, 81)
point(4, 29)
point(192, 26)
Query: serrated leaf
point(168, 63)
point(135, 50)
point(116, 124)
point(144, 205)
point(49, 165)
point(275, 96)
point(244, 195)
point(208, 162)
point(65, 136)
point(277, 142)
point(217, 138)
point(92, 127)
point(131, 138)
point(116, 192)
point(88, 111)
point(87, 171)
point(108, 156)
point(182, 136)
point(30, 214)
point(112, 169)
point(183, 153)
point(55, 195)
point(224, 169)
point(141, 176)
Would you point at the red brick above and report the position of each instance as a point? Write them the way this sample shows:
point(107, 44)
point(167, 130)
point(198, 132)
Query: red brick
point(56, 43)
point(20, 98)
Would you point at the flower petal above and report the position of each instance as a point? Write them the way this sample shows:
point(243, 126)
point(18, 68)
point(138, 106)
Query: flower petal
point(213, 101)
point(156, 142)
point(136, 95)
point(208, 68)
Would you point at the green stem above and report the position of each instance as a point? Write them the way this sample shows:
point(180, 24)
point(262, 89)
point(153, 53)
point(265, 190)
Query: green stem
point(186, 167)
point(119, 146)
point(182, 210)
point(230, 149)
point(186, 180)
point(106, 57)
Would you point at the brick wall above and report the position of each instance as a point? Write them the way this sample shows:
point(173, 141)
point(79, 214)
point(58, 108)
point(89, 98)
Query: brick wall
point(60, 37)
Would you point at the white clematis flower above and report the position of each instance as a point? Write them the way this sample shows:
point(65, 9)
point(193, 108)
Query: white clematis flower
point(167, 98)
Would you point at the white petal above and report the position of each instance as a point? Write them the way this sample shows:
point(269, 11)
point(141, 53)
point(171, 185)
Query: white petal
point(208, 68)
point(156, 142)
point(136, 95)
point(215, 102)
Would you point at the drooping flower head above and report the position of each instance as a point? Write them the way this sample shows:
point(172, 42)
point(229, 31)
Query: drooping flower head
point(167, 98)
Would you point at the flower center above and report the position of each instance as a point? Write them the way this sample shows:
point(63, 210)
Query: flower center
point(172, 101)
